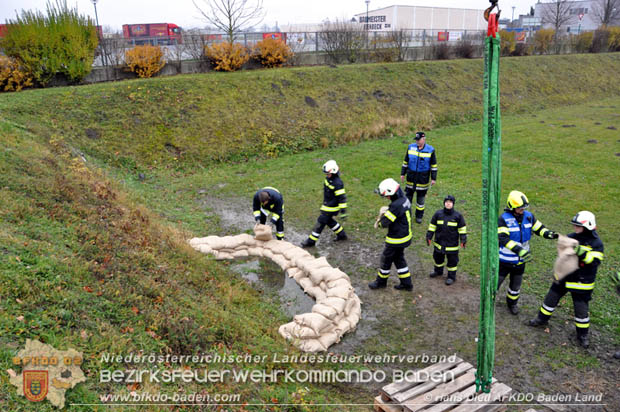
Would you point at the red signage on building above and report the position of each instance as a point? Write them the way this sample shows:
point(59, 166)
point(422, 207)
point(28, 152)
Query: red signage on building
point(443, 36)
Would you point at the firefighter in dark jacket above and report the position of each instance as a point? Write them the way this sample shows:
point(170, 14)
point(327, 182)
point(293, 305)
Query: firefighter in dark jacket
point(334, 202)
point(269, 201)
point(514, 228)
point(580, 283)
point(420, 167)
point(398, 221)
point(448, 227)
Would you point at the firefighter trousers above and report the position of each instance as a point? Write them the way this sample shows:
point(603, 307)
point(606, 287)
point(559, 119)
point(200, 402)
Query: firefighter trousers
point(279, 224)
point(420, 193)
point(516, 277)
point(581, 299)
point(453, 261)
point(394, 255)
point(325, 219)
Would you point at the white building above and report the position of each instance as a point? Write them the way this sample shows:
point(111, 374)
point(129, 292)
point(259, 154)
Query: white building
point(581, 17)
point(422, 18)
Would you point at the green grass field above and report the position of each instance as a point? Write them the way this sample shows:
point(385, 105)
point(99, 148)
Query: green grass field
point(94, 258)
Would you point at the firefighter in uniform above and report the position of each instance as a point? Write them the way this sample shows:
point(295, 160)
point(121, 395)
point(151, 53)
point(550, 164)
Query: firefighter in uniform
point(448, 226)
point(398, 221)
point(268, 200)
point(580, 283)
point(514, 228)
point(420, 168)
point(334, 202)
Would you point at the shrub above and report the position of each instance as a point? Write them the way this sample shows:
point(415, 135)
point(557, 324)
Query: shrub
point(508, 42)
point(613, 42)
point(600, 40)
point(145, 61)
point(441, 51)
point(226, 56)
point(583, 41)
point(543, 39)
point(59, 42)
point(522, 49)
point(465, 49)
point(272, 53)
point(13, 77)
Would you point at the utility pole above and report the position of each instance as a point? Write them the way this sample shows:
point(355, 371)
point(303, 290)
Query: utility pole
point(100, 37)
point(367, 25)
point(513, 15)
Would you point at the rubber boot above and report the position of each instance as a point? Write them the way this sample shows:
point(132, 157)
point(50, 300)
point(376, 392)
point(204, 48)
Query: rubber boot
point(405, 284)
point(435, 274)
point(341, 236)
point(308, 243)
point(537, 322)
point(584, 341)
point(513, 309)
point(450, 280)
point(378, 283)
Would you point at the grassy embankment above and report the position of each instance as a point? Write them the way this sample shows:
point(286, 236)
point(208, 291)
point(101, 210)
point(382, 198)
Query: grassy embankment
point(87, 264)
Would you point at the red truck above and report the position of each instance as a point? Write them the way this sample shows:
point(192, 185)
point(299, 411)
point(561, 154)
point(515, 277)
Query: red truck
point(3, 29)
point(152, 33)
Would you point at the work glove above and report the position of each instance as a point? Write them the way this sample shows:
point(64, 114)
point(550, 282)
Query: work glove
point(525, 255)
point(343, 214)
point(429, 241)
point(463, 245)
point(580, 250)
point(551, 235)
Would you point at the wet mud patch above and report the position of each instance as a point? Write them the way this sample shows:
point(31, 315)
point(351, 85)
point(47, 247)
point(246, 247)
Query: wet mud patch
point(436, 319)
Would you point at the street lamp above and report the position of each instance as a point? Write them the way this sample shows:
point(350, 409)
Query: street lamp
point(367, 25)
point(103, 59)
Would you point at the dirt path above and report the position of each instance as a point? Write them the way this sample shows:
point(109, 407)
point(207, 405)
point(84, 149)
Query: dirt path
point(439, 320)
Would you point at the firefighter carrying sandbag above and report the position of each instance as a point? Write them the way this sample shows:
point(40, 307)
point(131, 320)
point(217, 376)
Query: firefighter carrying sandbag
point(398, 221)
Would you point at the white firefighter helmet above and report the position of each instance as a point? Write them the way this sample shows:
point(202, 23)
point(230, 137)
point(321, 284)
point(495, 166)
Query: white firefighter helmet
point(585, 219)
point(330, 167)
point(388, 187)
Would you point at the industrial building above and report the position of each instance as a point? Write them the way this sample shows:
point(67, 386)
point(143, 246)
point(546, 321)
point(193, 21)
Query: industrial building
point(421, 18)
point(580, 14)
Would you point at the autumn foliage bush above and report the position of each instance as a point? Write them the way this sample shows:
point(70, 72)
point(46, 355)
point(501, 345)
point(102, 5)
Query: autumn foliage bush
point(13, 77)
point(272, 52)
point(226, 56)
point(145, 61)
point(543, 40)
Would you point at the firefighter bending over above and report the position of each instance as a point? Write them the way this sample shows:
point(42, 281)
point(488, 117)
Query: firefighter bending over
point(268, 200)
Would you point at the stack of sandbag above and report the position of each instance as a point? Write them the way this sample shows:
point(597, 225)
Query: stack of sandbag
point(567, 261)
point(337, 309)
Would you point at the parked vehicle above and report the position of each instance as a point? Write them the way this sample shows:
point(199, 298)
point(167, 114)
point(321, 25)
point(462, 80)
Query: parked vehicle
point(152, 33)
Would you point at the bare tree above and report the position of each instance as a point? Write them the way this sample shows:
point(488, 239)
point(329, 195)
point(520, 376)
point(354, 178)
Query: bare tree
point(115, 46)
point(195, 42)
point(401, 40)
point(342, 41)
point(606, 12)
point(557, 13)
point(231, 16)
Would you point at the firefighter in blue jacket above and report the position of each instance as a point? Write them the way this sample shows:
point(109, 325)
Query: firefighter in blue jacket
point(580, 283)
point(269, 201)
point(398, 221)
point(420, 167)
point(514, 228)
point(448, 227)
point(334, 202)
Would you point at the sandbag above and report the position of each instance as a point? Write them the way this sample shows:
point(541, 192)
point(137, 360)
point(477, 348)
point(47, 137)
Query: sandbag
point(338, 283)
point(281, 261)
point(317, 293)
point(246, 239)
point(292, 271)
point(305, 283)
point(297, 331)
point(319, 275)
point(332, 274)
point(240, 253)
point(311, 345)
point(382, 211)
point(255, 251)
point(295, 253)
point(222, 255)
point(312, 320)
point(279, 246)
point(336, 303)
point(567, 261)
point(351, 304)
point(327, 311)
point(341, 292)
point(204, 248)
point(262, 232)
point(267, 253)
point(329, 338)
point(343, 325)
point(300, 275)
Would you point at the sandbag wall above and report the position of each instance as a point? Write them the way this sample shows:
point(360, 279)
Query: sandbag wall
point(337, 309)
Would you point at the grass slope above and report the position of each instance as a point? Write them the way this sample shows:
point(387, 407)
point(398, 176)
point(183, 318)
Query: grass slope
point(195, 119)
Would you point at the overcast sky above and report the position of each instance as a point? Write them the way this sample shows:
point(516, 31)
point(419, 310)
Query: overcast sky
point(115, 13)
